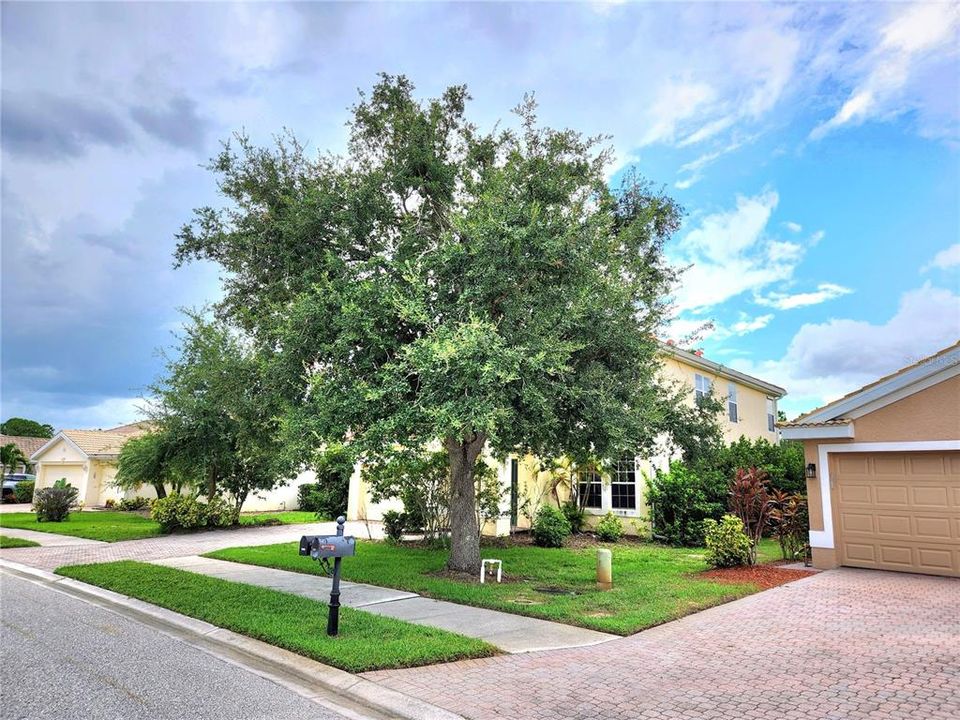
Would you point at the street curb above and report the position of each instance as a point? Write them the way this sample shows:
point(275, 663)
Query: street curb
point(293, 671)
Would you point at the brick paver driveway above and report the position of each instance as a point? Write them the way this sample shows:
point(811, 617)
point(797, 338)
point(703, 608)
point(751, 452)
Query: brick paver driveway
point(842, 644)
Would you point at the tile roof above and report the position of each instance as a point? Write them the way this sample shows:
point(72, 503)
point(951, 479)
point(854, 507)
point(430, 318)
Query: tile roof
point(28, 445)
point(822, 423)
point(105, 442)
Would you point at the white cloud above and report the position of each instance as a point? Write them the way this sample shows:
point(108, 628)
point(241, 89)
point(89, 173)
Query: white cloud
point(920, 35)
point(748, 325)
point(945, 259)
point(785, 301)
point(729, 253)
point(793, 226)
point(675, 103)
point(826, 360)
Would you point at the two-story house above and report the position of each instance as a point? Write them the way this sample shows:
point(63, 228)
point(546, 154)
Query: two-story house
point(750, 410)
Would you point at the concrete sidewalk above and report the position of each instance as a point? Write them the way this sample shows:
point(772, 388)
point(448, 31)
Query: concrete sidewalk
point(45, 539)
point(509, 632)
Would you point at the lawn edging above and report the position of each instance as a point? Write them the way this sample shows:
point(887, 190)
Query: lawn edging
point(299, 673)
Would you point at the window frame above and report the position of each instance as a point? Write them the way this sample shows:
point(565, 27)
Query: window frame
point(699, 393)
point(624, 468)
point(733, 403)
point(594, 478)
point(771, 415)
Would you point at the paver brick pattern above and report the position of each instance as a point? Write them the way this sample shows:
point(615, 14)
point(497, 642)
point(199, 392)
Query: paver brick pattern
point(168, 546)
point(842, 644)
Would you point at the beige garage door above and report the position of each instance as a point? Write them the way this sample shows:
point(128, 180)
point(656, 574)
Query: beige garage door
point(898, 511)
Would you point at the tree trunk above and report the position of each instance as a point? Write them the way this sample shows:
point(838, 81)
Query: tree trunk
point(464, 533)
point(211, 482)
point(160, 489)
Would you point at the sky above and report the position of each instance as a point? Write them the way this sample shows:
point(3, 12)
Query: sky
point(815, 149)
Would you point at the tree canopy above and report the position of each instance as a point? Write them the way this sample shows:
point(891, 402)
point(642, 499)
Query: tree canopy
point(437, 282)
point(23, 427)
point(218, 425)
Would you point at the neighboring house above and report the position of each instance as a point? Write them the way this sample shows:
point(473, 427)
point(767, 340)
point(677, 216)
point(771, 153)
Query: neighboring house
point(28, 446)
point(883, 471)
point(750, 410)
point(87, 459)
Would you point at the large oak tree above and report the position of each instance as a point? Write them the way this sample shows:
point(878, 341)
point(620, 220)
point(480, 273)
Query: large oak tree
point(436, 282)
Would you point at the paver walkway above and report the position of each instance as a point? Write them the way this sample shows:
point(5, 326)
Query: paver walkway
point(46, 539)
point(841, 644)
point(511, 633)
point(166, 546)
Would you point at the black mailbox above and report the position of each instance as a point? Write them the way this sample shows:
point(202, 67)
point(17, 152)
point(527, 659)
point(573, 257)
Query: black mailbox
point(327, 546)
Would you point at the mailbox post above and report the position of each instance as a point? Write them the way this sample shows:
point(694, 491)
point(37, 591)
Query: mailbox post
point(322, 548)
point(333, 616)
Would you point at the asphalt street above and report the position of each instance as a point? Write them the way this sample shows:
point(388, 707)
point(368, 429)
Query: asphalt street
point(61, 657)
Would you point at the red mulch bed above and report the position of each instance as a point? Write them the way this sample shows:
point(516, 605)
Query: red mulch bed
point(763, 576)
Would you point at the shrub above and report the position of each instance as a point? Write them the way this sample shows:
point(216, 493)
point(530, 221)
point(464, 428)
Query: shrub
point(394, 523)
point(790, 521)
point(610, 528)
point(220, 513)
point(550, 527)
point(575, 515)
point(109, 503)
point(327, 497)
point(53, 504)
point(680, 500)
point(727, 543)
point(181, 512)
point(750, 500)
point(24, 491)
point(135, 503)
point(782, 462)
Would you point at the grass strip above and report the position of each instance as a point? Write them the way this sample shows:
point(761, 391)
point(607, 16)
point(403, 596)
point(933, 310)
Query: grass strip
point(110, 526)
point(15, 542)
point(366, 641)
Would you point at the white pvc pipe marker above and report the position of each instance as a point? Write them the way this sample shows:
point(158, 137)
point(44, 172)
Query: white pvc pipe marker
point(483, 569)
point(604, 569)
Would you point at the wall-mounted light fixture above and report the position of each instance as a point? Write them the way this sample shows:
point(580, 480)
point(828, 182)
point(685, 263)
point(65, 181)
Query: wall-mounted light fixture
point(811, 470)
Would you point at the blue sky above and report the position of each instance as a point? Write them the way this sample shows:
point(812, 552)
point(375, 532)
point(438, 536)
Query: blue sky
point(814, 148)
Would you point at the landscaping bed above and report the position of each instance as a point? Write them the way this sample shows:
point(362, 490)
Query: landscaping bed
point(763, 576)
point(653, 584)
point(366, 641)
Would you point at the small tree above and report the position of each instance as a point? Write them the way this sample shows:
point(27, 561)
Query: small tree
point(790, 522)
point(12, 456)
point(750, 501)
point(152, 459)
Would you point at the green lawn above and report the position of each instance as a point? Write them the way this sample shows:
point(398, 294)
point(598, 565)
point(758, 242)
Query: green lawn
point(113, 526)
point(366, 641)
point(12, 542)
point(288, 517)
point(652, 583)
point(107, 525)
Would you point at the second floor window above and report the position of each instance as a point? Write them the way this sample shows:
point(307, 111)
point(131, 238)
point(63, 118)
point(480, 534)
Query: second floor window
point(701, 387)
point(733, 410)
point(771, 415)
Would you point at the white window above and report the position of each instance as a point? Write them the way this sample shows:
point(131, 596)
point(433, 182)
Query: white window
point(771, 415)
point(623, 485)
point(589, 489)
point(701, 387)
point(733, 411)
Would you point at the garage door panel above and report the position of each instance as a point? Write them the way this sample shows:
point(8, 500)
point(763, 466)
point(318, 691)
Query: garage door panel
point(933, 496)
point(906, 519)
point(857, 522)
point(897, 495)
point(894, 525)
